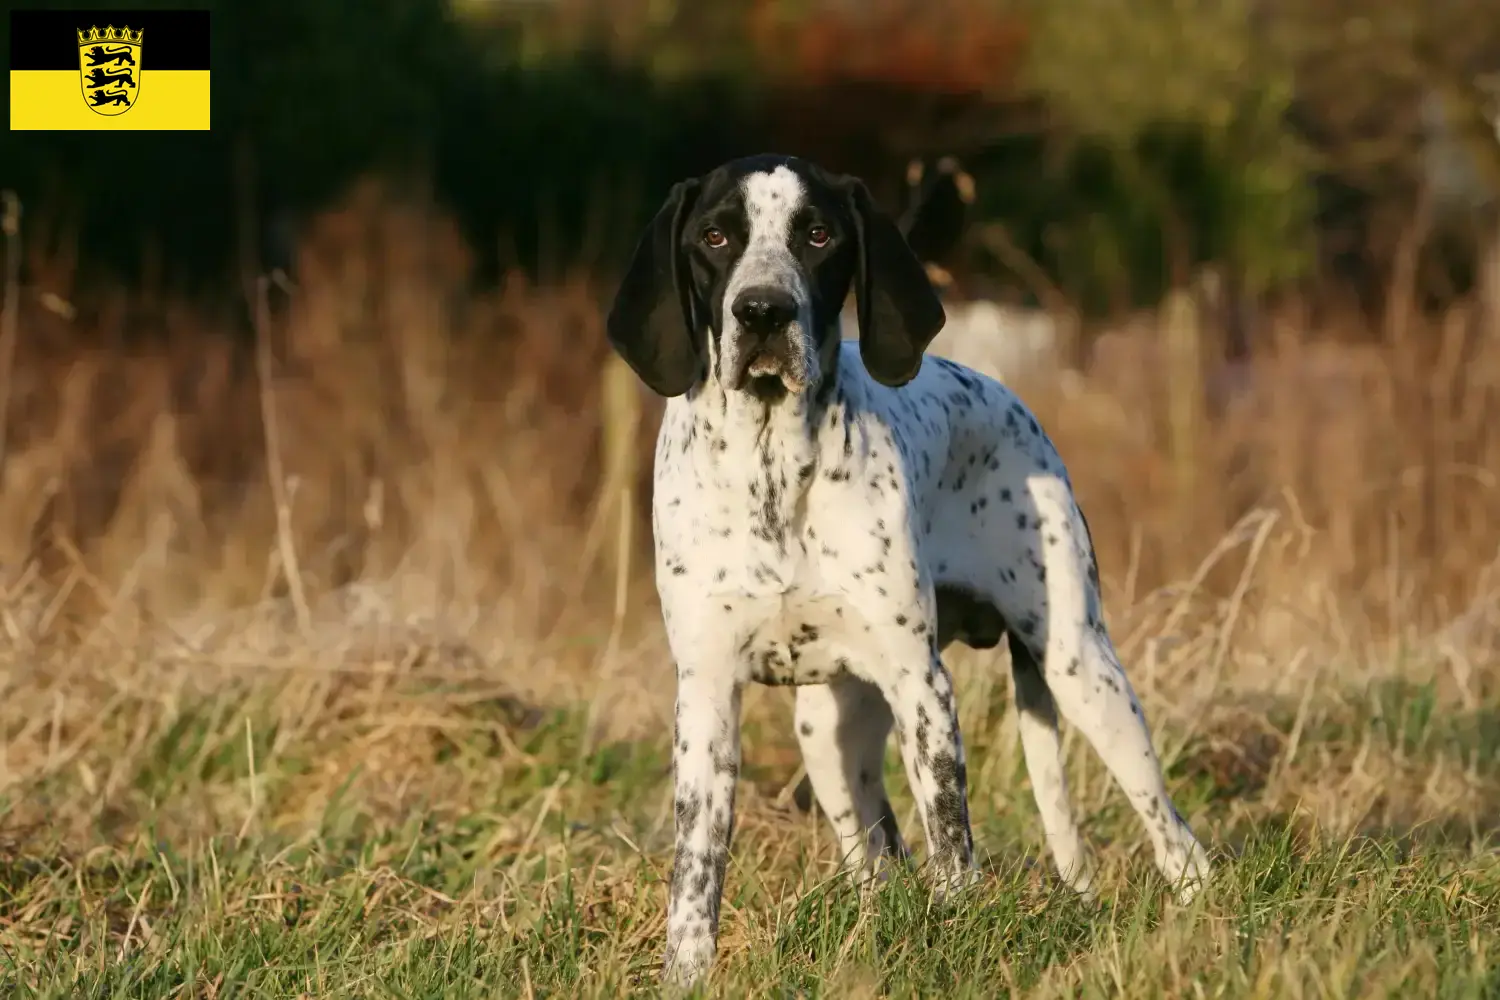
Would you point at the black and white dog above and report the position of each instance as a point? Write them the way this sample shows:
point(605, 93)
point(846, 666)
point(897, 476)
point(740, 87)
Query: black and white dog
point(831, 515)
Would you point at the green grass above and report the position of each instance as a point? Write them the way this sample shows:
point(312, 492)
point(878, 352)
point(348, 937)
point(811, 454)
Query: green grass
point(540, 872)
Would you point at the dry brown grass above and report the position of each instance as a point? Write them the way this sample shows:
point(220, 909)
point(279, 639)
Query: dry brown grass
point(440, 455)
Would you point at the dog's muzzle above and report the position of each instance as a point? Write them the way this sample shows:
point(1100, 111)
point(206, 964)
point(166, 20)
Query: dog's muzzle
point(767, 319)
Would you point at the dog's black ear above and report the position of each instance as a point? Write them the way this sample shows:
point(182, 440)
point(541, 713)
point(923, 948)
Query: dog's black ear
point(652, 323)
point(899, 312)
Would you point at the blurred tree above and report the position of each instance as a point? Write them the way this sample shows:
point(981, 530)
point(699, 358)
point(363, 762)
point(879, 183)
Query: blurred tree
point(309, 95)
point(315, 90)
point(1176, 112)
point(1396, 100)
point(1121, 146)
point(865, 87)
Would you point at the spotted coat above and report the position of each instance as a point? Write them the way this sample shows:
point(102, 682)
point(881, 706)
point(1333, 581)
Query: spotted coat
point(831, 515)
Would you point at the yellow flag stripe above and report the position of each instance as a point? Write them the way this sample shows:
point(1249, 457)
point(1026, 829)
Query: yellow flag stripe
point(170, 100)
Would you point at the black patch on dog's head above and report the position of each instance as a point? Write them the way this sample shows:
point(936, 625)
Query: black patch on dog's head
point(672, 298)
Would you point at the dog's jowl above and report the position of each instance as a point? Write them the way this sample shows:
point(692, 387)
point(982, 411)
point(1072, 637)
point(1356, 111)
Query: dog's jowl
point(831, 515)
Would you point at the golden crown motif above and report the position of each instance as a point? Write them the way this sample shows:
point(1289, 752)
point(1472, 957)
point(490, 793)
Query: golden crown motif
point(110, 34)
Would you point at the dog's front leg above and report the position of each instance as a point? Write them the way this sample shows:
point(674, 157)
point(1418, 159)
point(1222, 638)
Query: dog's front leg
point(706, 764)
point(920, 693)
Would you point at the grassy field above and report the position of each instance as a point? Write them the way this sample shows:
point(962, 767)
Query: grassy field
point(349, 682)
point(538, 871)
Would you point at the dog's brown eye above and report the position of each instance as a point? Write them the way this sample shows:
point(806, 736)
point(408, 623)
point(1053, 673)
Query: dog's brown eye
point(714, 238)
point(818, 236)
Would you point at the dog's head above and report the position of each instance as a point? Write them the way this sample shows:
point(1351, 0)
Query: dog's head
point(742, 274)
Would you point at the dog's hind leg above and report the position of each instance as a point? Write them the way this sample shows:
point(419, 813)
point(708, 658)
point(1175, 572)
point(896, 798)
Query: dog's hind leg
point(1042, 747)
point(1059, 617)
point(842, 728)
point(1091, 689)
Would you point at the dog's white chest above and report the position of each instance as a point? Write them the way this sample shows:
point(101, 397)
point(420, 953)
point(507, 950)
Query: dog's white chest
point(791, 539)
point(798, 603)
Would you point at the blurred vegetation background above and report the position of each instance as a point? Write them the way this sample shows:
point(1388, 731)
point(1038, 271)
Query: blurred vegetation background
point(1262, 234)
point(1121, 147)
point(341, 575)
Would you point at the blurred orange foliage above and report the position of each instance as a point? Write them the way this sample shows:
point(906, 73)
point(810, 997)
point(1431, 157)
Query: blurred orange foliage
point(957, 47)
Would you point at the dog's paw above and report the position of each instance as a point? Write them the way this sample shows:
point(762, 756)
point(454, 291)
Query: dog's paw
point(950, 884)
point(1082, 878)
point(1194, 877)
point(687, 962)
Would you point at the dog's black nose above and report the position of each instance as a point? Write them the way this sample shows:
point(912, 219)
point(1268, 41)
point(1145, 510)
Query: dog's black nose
point(764, 310)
